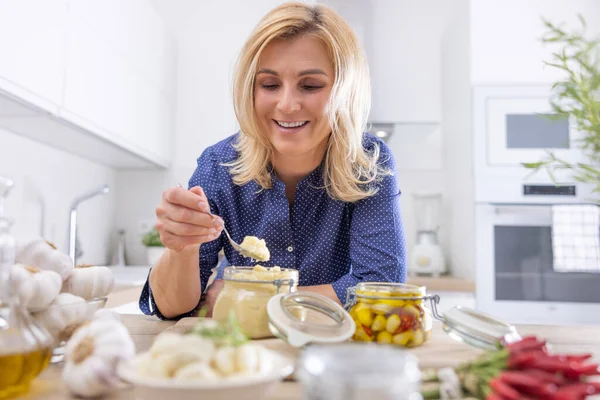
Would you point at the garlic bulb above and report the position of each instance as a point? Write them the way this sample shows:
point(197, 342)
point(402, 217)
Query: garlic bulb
point(106, 313)
point(63, 315)
point(92, 356)
point(35, 289)
point(90, 282)
point(44, 255)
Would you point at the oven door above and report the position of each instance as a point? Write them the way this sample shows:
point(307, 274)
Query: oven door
point(514, 266)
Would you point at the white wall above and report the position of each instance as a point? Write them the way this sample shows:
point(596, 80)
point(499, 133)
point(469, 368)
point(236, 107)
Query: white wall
point(505, 37)
point(404, 54)
point(458, 151)
point(46, 181)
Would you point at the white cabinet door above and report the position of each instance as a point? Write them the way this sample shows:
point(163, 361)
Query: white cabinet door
point(106, 94)
point(132, 28)
point(32, 50)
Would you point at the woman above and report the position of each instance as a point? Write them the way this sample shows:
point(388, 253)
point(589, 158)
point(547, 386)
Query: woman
point(300, 173)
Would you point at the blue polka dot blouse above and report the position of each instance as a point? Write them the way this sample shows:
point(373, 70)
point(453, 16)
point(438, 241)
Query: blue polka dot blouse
point(328, 241)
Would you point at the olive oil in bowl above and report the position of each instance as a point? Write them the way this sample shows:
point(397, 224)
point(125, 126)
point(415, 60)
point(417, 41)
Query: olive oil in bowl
point(17, 370)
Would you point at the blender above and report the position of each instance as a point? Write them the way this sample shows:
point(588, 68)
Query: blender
point(427, 257)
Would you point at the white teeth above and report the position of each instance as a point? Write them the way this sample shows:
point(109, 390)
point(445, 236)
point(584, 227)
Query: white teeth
point(291, 124)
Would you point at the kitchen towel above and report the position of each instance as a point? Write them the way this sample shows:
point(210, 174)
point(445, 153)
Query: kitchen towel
point(576, 237)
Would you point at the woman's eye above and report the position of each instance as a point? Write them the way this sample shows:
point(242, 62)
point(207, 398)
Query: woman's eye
point(269, 86)
point(311, 88)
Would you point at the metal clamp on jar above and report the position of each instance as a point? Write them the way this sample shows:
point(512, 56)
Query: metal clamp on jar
point(247, 291)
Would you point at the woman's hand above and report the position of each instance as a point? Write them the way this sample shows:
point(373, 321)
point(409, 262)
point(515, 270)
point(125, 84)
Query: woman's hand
point(183, 219)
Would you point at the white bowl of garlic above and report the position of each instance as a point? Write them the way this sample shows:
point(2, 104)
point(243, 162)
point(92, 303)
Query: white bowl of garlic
point(208, 362)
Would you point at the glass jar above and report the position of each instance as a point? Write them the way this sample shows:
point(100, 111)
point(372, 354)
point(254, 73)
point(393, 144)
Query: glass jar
point(358, 371)
point(246, 292)
point(393, 313)
point(25, 347)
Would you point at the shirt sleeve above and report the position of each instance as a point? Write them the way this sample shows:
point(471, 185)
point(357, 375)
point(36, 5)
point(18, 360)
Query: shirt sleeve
point(205, 176)
point(377, 242)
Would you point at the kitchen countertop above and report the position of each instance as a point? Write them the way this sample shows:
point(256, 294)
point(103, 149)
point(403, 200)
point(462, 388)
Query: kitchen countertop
point(440, 351)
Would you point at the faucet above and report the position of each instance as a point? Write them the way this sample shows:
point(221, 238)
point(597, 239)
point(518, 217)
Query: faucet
point(74, 246)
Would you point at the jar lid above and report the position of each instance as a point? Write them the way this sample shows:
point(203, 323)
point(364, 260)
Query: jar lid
point(359, 370)
point(305, 317)
point(477, 328)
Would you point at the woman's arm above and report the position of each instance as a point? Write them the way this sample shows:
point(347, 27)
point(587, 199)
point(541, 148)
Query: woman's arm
point(325, 290)
point(175, 281)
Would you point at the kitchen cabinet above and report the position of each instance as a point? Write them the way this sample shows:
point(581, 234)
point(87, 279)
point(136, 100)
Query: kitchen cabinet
point(107, 79)
point(32, 50)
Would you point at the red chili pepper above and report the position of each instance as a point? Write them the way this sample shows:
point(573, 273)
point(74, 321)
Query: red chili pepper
point(521, 360)
point(367, 330)
point(578, 357)
point(552, 365)
point(545, 376)
point(521, 347)
point(522, 342)
point(406, 322)
point(527, 383)
point(586, 370)
point(494, 396)
point(503, 389)
point(574, 391)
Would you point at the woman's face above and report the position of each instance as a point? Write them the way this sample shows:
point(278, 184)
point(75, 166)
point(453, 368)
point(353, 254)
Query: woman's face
point(293, 84)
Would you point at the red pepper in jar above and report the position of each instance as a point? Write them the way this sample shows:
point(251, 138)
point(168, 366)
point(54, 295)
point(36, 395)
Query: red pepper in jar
point(367, 330)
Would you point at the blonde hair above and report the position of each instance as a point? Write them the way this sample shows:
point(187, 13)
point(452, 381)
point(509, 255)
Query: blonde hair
point(349, 170)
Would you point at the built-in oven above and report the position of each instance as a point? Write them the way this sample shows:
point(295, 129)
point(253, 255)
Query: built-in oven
point(516, 276)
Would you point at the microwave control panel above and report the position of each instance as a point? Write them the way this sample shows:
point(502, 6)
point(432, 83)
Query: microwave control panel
point(549, 190)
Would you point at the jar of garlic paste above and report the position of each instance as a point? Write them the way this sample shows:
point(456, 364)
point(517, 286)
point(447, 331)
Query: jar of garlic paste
point(393, 313)
point(246, 292)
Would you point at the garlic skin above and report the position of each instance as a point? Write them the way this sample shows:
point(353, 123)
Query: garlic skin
point(36, 289)
point(92, 355)
point(65, 311)
point(44, 255)
point(89, 282)
point(106, 313)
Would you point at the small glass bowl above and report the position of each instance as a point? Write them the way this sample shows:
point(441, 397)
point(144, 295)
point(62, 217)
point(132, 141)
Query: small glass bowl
point(62, 320)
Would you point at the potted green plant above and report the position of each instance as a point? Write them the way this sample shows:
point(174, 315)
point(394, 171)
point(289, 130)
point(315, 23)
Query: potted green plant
point(154, 247)
point(577, 97)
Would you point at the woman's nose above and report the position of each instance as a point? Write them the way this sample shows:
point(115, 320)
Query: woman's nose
point(288, 101)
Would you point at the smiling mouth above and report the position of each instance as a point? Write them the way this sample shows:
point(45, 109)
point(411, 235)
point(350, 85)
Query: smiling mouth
point(291, 124)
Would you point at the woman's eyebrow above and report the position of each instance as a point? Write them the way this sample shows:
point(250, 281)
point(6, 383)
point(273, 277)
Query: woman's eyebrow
point(314, 71)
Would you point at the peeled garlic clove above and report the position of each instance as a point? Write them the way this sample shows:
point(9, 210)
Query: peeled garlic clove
point(165, 343)
point(198, 371)
point(247, 358)
point(225, 360)
point(169, 363)
point(200, 348)
point(146, 365)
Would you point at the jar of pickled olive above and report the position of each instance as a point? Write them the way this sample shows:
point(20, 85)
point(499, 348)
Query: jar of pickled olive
point(246, 292)
point(393, 313)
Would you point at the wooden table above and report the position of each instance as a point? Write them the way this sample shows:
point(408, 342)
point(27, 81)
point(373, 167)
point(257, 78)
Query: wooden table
point(440, 351)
